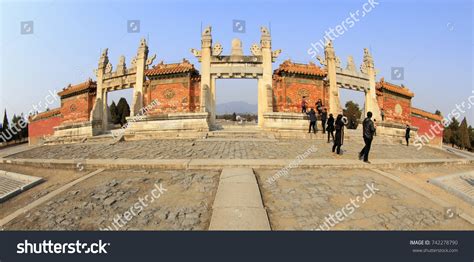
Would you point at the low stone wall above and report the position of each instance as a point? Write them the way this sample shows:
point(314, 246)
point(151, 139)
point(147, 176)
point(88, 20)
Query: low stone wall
point(83, 129)
point(283, 121)
point(175, 122)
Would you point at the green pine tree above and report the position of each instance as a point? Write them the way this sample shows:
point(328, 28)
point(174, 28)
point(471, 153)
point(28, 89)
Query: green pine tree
point(123, 111)
point(114, 113)
point(5, 125)
point(353, 114)
point(464, 141)
point(454, 127)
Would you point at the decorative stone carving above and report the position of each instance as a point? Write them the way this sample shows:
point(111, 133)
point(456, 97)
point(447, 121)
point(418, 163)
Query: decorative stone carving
point(196, 53)
point(367, 63)
point(134, 62)
point(398, 110)
point(149, 61)
point(265, 40)
point(217, 50)
point(264, 31)
point(207, 31)
point(275, 54)
point(108, 68)
point(322, 61)
point(256, 50)
point(303, 92)
point(329, 51)
point(169, 93)
point(350, 64)
point(338, 62)
point(121, 65)
point(236, 47)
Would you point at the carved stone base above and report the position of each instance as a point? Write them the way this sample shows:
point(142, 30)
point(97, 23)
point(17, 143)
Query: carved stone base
point(173, 124)
point(83, 129)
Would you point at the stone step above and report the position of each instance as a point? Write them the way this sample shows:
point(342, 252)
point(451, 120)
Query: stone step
point(238, 203)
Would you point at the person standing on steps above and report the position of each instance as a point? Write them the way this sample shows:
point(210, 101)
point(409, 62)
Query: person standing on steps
point(407, 134)
point(330, 127)
point(303, 105)
point(324, 117)
point(319, 106)
point(312, 120)
point(368, 135)
point(339, 126)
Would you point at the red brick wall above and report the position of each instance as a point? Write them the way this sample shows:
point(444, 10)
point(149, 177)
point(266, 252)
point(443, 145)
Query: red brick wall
point(42, 128)
point(288, 92)
point(426, 127)
point(174, 95)
point(388, 102)
point(77, 109)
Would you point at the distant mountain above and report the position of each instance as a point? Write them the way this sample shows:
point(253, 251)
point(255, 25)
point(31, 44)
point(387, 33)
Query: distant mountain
point(237, 107)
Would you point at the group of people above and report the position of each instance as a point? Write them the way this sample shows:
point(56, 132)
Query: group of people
point(332, 125)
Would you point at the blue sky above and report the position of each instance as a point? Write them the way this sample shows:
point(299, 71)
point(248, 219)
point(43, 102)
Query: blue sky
point(432, 40)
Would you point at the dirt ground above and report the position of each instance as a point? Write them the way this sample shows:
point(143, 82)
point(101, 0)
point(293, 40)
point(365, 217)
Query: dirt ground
point(306, 199)
point(97, 203)
point(54, 178)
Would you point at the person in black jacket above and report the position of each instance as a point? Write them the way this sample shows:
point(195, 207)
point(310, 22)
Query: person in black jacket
point(324, 117)
point(339, 126)
point(407, 134)
point(368, 134)
point(312, 120)
point(330, 127)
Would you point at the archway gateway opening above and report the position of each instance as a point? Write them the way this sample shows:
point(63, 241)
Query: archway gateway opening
point(215, 66)
point(119, 102)
point(239, 96)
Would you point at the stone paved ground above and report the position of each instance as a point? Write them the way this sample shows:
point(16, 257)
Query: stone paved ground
point(93, 203)
point(303, 199)
point(195, 149)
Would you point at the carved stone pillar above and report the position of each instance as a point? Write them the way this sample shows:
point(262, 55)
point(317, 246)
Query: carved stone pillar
point(140, 62)
point(371, 103)
point(330, 62)
point(264, 104)
point(98, 116)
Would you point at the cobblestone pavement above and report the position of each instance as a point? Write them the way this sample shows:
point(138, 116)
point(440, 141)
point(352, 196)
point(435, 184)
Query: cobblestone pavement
point(304, 198)
point(191, 149)
point(94, 203)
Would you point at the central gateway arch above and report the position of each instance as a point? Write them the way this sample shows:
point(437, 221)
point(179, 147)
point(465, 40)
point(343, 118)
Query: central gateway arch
point(258, 66)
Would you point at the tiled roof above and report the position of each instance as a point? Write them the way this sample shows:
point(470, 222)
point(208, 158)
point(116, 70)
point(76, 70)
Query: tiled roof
point(423, 113)
point(175, 68)
point(89, 84)
point(301, 69)
point(393, 88)
point(47, 114)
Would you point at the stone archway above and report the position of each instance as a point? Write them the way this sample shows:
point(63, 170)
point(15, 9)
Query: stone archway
point(214, 66)
point(350, 78)
point(122, 78)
